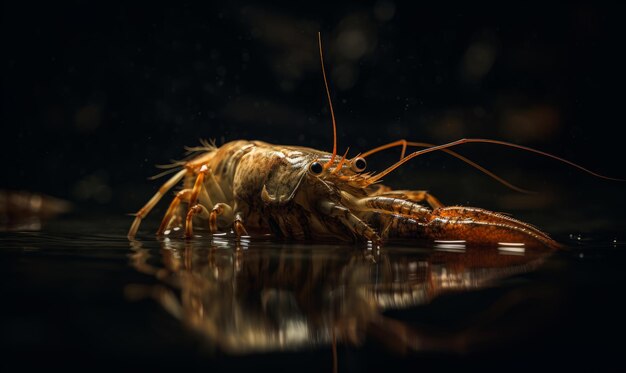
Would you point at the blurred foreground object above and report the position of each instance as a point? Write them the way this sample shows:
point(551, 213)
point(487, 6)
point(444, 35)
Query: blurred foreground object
point(22, 210)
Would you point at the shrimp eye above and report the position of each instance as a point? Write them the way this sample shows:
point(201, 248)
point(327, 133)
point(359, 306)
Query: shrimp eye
point(316, 168)
point(358, 165)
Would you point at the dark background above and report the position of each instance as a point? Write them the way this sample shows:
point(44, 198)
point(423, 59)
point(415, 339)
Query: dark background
point(96, 93)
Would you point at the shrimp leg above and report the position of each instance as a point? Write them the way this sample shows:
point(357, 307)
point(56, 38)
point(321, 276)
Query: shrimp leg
point(351, 221)
point(220, 209)
point(182, 196)
point(195, 208)
point(238, 226)
point(226, 211)
point(153, 201)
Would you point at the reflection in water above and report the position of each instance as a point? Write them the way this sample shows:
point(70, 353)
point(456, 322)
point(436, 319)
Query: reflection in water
point(273, 297)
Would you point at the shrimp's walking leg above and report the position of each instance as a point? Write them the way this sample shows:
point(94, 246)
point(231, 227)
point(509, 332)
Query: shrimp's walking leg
point(153, 201)
point(240, 230)
point(193, 200)
point(182, 196)
point(220, 209)
point(226, 211)
point(350, 220)
point(196, 209)
point(185, 196)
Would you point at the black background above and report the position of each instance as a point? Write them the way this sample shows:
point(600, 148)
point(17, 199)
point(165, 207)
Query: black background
point(96, 93)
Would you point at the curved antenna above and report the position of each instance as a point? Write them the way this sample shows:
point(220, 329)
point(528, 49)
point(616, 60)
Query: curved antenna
point(405, 143)
point(375, 178)
point(330, 104)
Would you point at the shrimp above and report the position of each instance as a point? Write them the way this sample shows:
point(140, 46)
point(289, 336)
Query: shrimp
point(302, 193)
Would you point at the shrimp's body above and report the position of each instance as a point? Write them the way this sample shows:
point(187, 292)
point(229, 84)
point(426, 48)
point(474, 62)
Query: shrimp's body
point(306, 194)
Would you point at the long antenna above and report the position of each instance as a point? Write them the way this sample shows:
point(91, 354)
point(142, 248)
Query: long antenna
point(405, 143)
point(330, 104)
point(377, 177)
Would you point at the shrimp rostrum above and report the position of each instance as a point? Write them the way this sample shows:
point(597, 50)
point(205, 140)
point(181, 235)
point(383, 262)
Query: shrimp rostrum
point(307, 194)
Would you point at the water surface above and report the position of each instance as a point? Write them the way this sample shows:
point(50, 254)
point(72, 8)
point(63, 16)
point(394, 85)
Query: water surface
point(78, 294)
